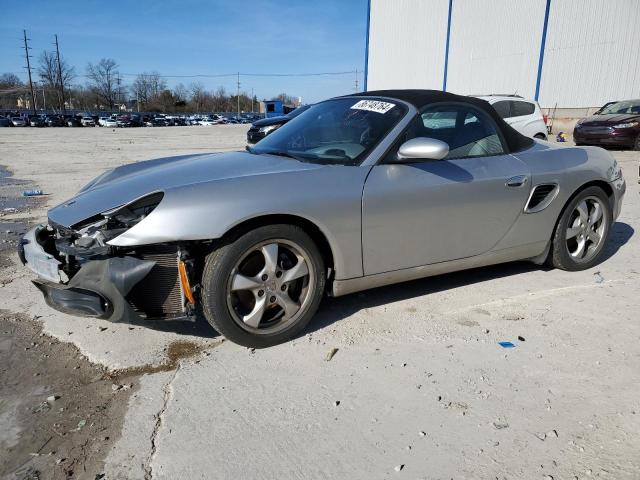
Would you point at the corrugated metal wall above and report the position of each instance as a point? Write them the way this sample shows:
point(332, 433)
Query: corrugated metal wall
point(592, 52)
point(406, 43)
point(494, 46)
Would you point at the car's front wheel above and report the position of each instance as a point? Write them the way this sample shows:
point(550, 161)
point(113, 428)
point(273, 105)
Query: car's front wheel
point(582, 231)
point(263, 287)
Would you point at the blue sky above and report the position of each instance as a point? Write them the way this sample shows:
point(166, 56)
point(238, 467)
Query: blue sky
point(190, 37)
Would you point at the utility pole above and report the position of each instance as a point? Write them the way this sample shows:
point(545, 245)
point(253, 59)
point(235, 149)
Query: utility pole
point(238, 95)
point(119, 94)
point(26, 53)
point(251, 99)
point(62, 107)
point(356, 80)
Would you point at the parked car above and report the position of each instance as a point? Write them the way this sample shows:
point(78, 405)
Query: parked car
point(358, 192)
point(109, 122)
point(129, 120)
point(5, 122)
point(72, 121)
point(87, 122)
point(264, 127)
point(36, 121)
point(157, 122)
point(615, 124)
point(523, 115)
point(19, 122)
point(54, 121)
point(209, 121)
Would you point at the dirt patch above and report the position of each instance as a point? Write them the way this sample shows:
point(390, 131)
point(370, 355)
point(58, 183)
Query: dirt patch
point(59, 414)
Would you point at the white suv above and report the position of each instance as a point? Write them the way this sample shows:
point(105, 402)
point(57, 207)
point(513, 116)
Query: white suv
point(523, 115)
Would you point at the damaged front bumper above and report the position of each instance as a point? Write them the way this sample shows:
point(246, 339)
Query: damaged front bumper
point(128, 286)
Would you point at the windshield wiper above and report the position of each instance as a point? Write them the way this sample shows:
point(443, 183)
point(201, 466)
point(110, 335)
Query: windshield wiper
point(282, 153)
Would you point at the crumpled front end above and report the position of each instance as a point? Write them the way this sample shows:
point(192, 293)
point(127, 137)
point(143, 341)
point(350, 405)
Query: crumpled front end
point(81, 274)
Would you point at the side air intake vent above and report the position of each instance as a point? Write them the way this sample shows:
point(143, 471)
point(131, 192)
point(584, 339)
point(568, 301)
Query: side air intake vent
point(541, 197)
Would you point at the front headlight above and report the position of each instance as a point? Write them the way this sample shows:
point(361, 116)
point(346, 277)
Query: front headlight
point(614, 172)
point(134, 212)
point(626, 125)
point(269, 128)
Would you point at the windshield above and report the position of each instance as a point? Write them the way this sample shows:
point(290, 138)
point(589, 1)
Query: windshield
point(340, 131)
point(621, 107)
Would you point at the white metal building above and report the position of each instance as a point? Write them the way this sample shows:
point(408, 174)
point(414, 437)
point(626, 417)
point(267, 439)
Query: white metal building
point(573, 53)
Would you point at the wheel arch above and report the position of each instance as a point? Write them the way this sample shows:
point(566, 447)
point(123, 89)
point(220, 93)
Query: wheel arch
point(605, 186)
point(608, 190)
point(313, 230)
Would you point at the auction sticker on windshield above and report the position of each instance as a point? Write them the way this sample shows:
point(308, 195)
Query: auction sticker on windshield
point(373, 106)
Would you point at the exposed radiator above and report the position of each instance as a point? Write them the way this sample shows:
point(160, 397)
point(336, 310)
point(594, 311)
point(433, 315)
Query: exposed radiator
point(158, 295)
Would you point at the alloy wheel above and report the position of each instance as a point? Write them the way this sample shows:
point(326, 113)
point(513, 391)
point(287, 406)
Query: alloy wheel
point(270, 286)
point(586, 229)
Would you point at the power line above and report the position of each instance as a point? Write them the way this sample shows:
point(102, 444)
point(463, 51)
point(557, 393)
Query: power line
point(220, 75)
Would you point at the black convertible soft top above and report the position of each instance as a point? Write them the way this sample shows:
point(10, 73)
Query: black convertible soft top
point(422, 98)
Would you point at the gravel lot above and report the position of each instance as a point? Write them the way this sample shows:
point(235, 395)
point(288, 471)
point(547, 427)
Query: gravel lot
point(419, 387)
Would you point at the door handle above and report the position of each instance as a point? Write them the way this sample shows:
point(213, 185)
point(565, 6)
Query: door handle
point(517, 181)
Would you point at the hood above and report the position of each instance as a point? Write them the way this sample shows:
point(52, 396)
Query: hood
point(127, 183)
point(265, 122)
point(609, 119)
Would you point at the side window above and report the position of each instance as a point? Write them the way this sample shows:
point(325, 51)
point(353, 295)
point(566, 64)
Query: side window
point(467, 131)
point(503, 108)
point(520, 109)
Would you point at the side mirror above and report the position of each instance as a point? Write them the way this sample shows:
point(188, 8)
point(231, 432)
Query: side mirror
point(423, 148)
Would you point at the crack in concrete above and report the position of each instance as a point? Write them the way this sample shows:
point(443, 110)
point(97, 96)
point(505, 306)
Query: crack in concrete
point(167, 389)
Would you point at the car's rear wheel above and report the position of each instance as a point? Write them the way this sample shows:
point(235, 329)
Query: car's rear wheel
point(582, 231)
point(264, 287)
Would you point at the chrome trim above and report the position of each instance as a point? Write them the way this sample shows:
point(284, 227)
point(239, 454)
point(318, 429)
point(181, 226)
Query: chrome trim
point(517, 181)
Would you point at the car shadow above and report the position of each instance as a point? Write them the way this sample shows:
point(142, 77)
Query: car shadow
point(333, 310)
point(198, 327)
point(620, 234)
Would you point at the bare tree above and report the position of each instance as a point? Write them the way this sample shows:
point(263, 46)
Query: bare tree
point(11, 87)
point(287, 99)
point(198, 96)
point(181, 93)
point(49, 77)
point(147, 87)
point(104, 81)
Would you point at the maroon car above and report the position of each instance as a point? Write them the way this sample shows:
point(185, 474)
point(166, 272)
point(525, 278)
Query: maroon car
point(615, 124)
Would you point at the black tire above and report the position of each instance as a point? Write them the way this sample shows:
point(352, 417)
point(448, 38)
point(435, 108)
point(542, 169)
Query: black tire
point(560, 256)
point(540, 136)
point(636, 144)
point(216, 276)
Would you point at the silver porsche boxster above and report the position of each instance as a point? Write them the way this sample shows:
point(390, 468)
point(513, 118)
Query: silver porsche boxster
point(357, 192)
